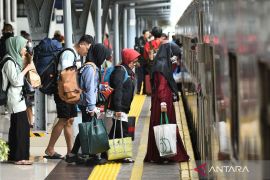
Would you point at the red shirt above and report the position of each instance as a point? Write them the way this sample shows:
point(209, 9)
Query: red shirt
point(155, 44)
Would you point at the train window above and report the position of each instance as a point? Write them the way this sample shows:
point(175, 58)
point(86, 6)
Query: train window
point(264, 70)
point(233, 72)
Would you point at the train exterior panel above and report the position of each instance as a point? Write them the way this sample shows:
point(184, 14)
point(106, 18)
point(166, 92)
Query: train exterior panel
point(226, 50)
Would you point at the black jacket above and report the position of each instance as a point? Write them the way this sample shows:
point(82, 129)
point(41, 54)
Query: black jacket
point(122, 95)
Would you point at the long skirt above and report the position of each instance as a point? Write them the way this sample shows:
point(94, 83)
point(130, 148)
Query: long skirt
point(18, 137)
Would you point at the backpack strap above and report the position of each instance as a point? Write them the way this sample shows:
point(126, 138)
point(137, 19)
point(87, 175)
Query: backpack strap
point(3, 61)
point(91, 64)
point(68, 49)
point(126, 73)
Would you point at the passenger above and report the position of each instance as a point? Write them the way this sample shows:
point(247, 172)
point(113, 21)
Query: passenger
point(7, 32)
point(165, 92)
point(141, 65)
point(66, 112)
point(150, 50)
point(164, 37)
point(28, 91)
point(106, 41)
point(13, 76)
point(59, 37)
point(152, 45)
point(89, 82)
point(123, 93)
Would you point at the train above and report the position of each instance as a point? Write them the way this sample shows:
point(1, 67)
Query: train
point(226, 50)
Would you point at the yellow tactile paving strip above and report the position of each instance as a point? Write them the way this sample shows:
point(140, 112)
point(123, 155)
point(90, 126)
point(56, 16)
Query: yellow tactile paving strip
point(186, 168)
point(107, 171)
point(111, 170)
point(136, 106)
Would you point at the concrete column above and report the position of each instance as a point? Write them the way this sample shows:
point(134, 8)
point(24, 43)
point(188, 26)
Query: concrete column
point(125, 38)
point(131, 27)
point(14, 11)
point(98, 22)
point(67, 23)
point(7, 11)
point(116, 33)
point(138, 27)
point(154, 22)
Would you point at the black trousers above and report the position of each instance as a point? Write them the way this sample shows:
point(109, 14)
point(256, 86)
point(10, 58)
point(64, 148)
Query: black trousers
point(18, 137)
point(140, 78)
point(85, 118)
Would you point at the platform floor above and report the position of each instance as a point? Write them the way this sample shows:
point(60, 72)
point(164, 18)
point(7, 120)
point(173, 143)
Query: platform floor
point(56, 169)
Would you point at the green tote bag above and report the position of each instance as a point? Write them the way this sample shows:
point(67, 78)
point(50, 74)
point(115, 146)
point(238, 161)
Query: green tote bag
point(93, 137)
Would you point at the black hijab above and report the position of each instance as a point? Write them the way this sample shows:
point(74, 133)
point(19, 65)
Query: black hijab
point(163, 65)
point(97, 54)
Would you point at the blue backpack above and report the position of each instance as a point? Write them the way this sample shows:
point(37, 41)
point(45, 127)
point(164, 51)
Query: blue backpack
point(46, 59)
point(108, 71)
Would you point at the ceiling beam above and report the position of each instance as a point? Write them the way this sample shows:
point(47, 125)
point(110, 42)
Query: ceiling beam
point(148, 6)
point(138, 1)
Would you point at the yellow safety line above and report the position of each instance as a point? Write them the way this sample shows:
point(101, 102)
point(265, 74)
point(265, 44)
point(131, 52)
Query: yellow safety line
point(111, 170)
point(137, 169)
point(37, 134)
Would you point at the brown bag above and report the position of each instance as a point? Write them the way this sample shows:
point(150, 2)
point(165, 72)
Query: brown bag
point(33, 78)
point(68, 86)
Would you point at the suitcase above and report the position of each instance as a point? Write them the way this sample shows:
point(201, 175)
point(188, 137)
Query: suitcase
point(131, 126)
point(148, 88)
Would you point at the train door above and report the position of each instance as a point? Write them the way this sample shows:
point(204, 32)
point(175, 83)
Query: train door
point(234, 124)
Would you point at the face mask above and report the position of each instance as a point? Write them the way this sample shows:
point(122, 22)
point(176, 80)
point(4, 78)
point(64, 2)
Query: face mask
point(29, 44)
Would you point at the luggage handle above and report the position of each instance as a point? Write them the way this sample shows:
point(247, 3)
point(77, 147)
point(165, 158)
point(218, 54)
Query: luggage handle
point(166, 118)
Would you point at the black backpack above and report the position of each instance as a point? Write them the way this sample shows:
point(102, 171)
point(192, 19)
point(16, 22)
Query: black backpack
point(46, 59)
point(3, 94)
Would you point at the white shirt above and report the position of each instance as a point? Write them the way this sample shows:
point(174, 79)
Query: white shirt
point(67, 59)
point(12, 73)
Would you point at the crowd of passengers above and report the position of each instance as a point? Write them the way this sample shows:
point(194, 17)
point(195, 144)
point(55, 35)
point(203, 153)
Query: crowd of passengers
point(163, 92)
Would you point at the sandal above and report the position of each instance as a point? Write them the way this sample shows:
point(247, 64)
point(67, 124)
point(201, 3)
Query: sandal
point(23, 162)
point(54, 156)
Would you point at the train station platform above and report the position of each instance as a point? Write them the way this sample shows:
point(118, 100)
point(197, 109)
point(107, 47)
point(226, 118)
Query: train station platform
point(59, 169)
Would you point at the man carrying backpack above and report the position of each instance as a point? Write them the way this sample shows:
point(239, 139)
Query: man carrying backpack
point(66, 112)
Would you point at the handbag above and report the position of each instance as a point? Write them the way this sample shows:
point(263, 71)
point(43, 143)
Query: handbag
point(33, 78)
point(165, 136)
point(107, 91)
point(93, 137)
point(120, 148)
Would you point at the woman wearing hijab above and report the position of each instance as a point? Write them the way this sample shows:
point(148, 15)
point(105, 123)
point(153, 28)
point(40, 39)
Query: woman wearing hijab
point(89, 82)
point(123, 93)
point(13, 72)
point(165, 92)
